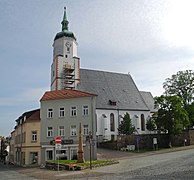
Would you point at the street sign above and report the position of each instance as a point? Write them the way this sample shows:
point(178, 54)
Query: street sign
point(93, 142)
point(155, 141)
point(58, 146)
point(58, 140)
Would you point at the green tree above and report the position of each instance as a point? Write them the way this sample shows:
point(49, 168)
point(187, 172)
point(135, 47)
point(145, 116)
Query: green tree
point(126, 126)
point(171, 115)
point(151, 124)
point(182, 85)
point(190, 111)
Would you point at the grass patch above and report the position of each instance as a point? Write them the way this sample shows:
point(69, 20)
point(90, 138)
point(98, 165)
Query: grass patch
point(86, 164)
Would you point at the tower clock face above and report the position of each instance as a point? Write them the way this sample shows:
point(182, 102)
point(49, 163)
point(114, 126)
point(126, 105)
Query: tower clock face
point(68, 44)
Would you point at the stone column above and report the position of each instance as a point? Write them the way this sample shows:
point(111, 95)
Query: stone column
point(80, 158)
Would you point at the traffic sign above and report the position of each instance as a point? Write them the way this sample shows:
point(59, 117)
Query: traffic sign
point(58, 140)
point(58, 146)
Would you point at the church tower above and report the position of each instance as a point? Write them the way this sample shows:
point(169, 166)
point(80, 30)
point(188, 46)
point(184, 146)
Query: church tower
point(65, 68)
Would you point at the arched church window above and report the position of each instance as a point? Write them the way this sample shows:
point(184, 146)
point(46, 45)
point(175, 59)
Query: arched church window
point(112, 122)
point(142, 122)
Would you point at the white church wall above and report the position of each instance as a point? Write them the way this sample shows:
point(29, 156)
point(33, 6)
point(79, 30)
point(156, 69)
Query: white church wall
point(103, 122)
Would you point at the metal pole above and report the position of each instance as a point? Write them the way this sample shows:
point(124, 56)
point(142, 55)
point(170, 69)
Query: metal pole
point(58, 162)
point(137, 144)
point(90, 151)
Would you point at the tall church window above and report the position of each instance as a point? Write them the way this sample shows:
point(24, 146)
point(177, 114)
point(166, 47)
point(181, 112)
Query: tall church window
point(112, 122)
point(142, 122)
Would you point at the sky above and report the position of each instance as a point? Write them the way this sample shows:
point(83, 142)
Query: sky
point(150, 39)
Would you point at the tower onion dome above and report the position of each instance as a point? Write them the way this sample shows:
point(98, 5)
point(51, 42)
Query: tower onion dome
point(65, 31)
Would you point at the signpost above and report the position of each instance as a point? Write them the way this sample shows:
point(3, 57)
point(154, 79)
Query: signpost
point(58, 147)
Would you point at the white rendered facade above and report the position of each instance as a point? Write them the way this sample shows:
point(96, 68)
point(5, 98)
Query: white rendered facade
point(104, 131)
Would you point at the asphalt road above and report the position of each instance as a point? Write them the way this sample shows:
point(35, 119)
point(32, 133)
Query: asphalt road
point(9, 172)
point(173, 165)
point(165, 165)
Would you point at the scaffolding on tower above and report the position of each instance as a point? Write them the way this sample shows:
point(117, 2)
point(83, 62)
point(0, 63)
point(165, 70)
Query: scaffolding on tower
point(69, 77)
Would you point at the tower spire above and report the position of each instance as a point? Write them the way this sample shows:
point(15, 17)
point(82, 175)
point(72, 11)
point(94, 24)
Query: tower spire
point(65, 22)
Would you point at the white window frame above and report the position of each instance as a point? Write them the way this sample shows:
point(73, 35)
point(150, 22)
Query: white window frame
point(61, 112)
point(85, 129)
point(34, 136)
point(49, 131)
point(73, 131)
point(61, 132)
point(50, 113)
point(73, 112)
point(85, 110)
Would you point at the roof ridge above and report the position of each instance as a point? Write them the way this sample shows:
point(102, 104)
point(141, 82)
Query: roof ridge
point(104, 71)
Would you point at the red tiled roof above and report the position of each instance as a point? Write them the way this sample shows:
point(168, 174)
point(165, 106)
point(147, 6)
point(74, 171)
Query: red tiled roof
point(64, 94)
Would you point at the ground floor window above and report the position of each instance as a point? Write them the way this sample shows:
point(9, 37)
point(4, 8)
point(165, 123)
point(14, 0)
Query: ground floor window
point(112, 137)
point(74, 154)
point(49, 155)
point(23, 158)
point(33, 157)
point(62, 154)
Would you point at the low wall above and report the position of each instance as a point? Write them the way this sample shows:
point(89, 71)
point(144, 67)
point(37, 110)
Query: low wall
point(145, 141)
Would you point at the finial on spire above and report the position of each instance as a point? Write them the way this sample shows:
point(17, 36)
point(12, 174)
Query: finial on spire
point(65, 22)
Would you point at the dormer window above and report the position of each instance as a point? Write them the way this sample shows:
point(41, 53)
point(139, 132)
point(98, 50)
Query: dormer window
point(112, 102)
